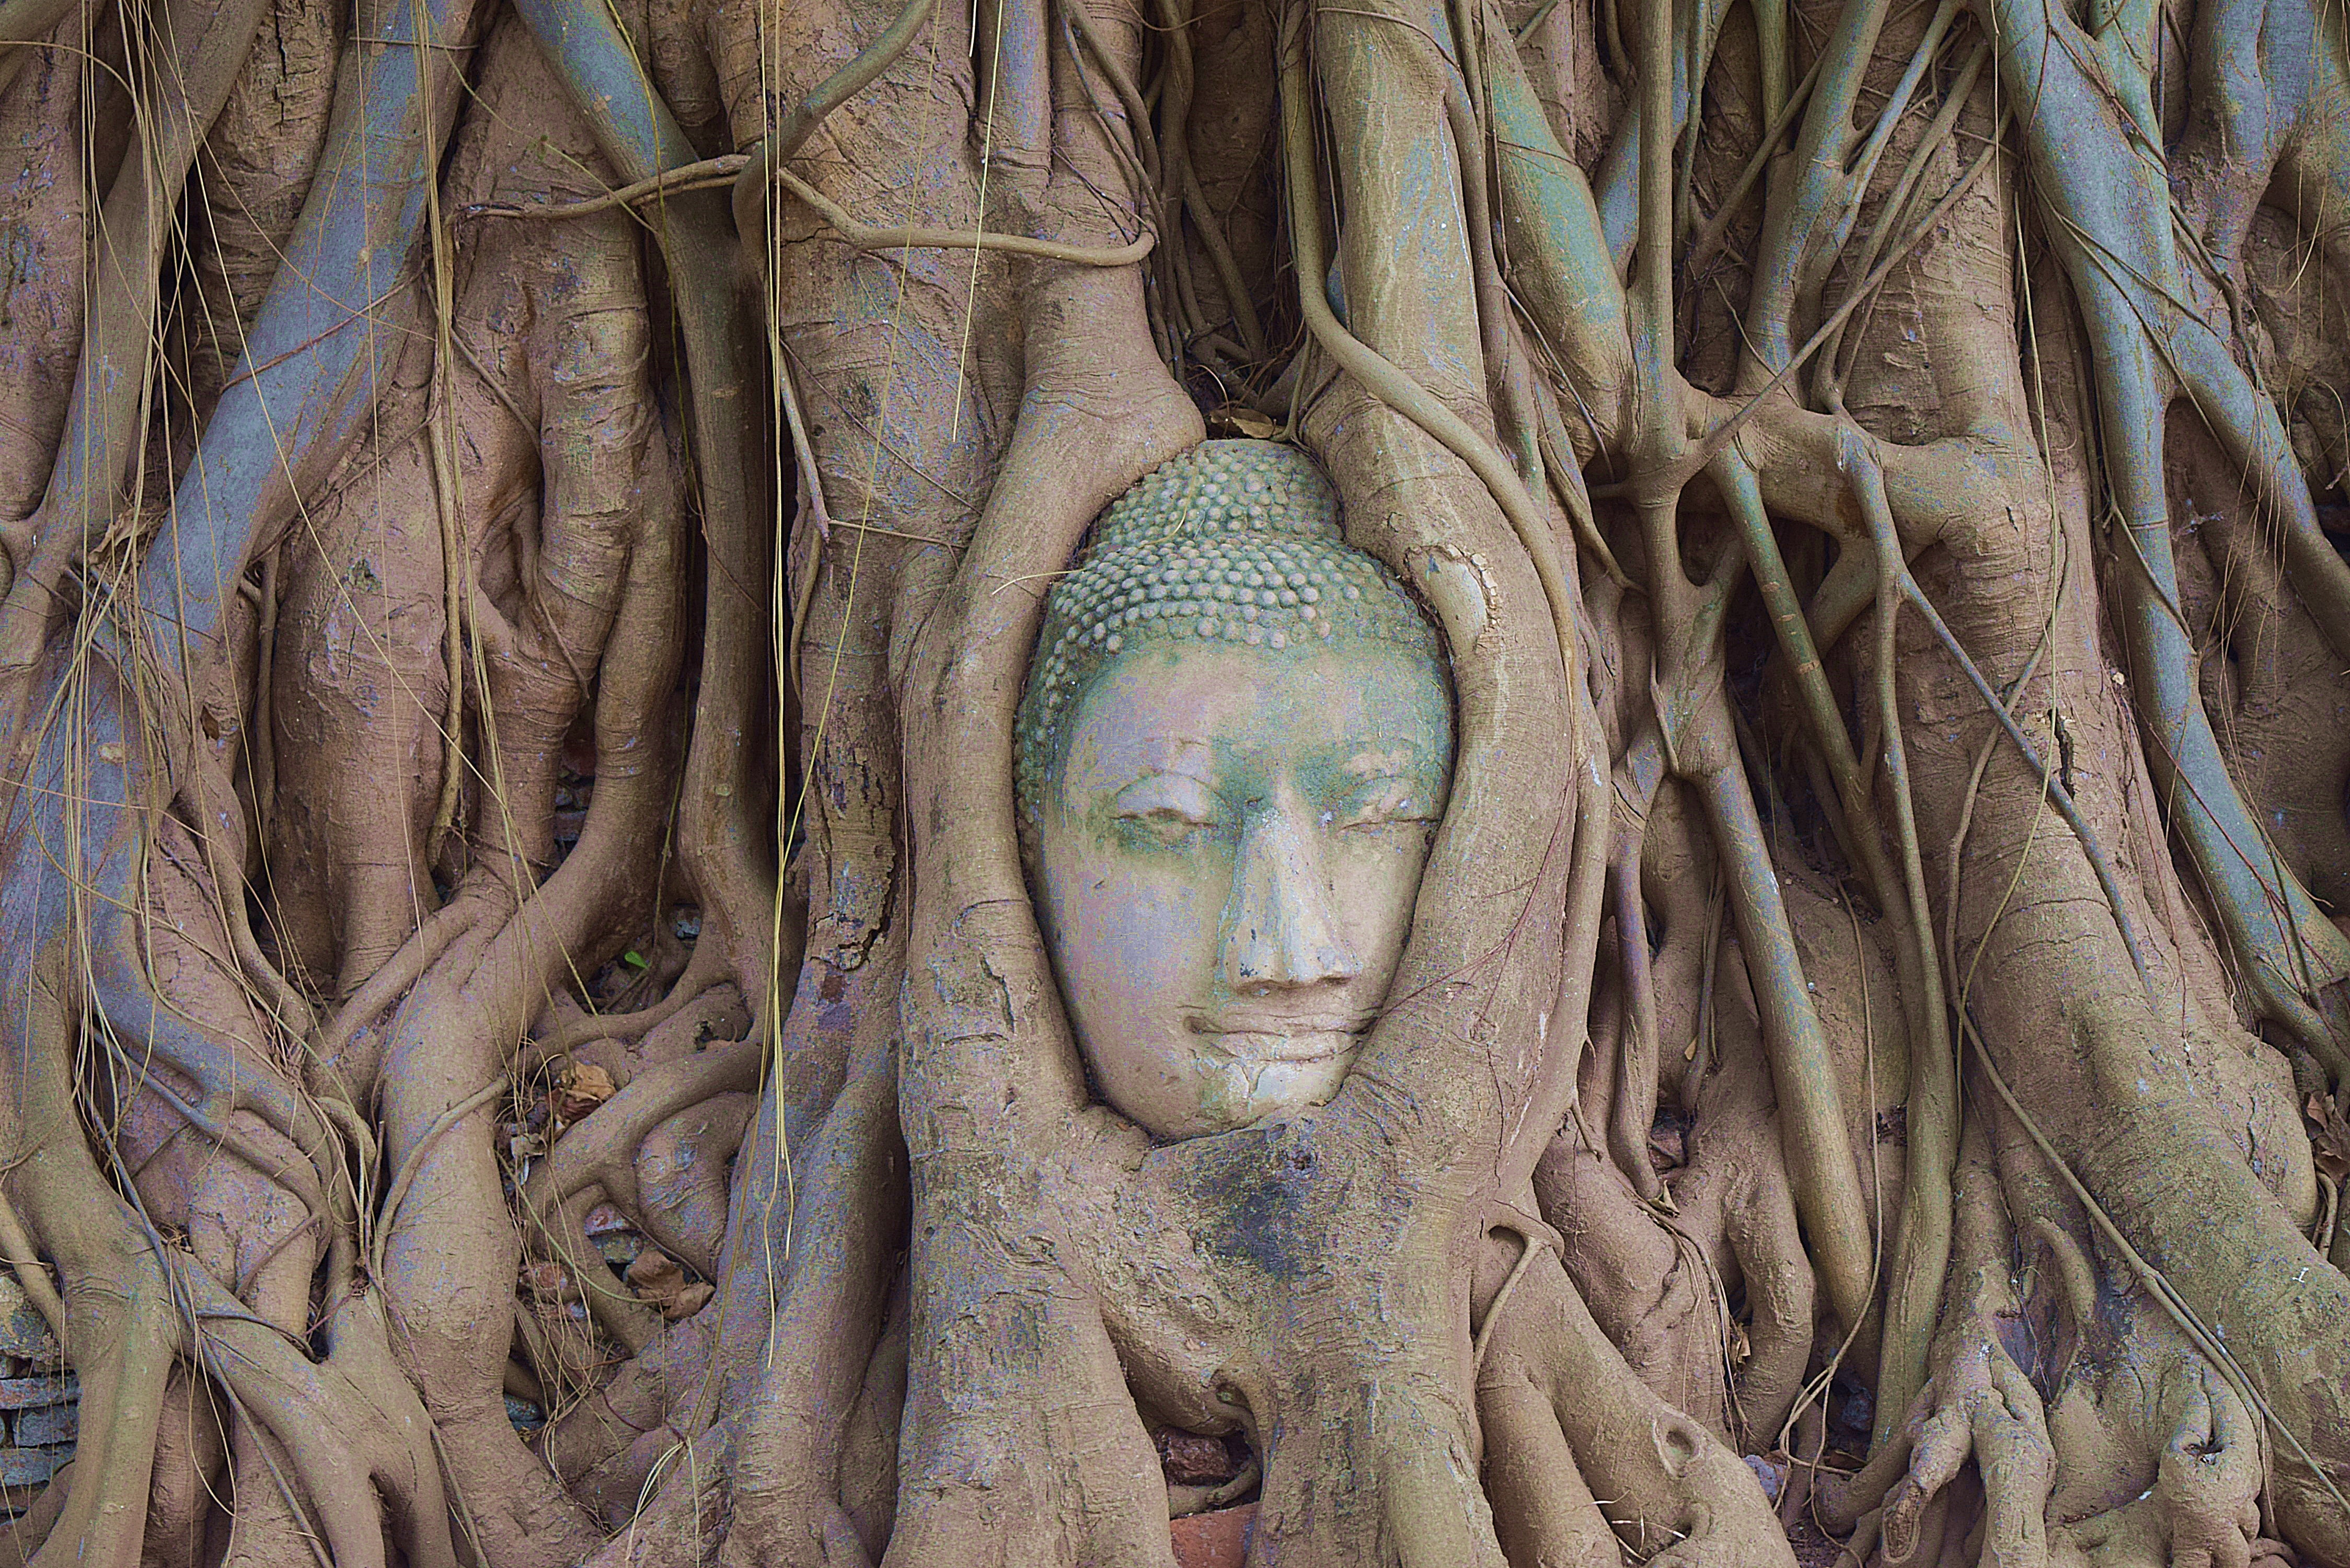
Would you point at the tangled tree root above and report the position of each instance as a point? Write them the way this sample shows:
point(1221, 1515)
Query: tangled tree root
point(528, 1042)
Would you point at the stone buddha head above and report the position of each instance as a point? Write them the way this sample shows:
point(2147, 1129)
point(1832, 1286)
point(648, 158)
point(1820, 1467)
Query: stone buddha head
point(1232, 754)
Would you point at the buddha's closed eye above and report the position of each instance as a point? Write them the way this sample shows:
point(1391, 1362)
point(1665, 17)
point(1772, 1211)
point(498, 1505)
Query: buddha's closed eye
point(1171, 807)
point(1389, 801)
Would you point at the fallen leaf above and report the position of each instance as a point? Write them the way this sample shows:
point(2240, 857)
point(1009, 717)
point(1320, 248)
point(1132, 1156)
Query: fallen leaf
point(687, 1302)
point(583, 1087)
point(2329, 1136)
point(655, 1272)
point(1245, 420)
point(659, 1282)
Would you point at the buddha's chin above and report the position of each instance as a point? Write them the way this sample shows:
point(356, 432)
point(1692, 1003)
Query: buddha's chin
point(1249, 1080)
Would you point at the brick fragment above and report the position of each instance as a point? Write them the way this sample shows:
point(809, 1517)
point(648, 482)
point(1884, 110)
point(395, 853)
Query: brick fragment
point(30, 1467)
point(24, 1393)
point(1218, 1540)
point(24, 1332)
point(45, 1426)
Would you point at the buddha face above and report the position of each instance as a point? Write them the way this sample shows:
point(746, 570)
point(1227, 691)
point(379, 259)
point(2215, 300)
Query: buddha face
point(1229, 858)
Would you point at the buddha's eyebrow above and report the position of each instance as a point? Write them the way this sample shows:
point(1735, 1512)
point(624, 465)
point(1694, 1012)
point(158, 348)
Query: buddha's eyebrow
point(1123, 767)
point(1145, 776)
point(1395, 761)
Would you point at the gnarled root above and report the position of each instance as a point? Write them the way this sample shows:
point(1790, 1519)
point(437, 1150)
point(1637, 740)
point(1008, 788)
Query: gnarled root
point(1980, 1403)
point(2099, 1434)
point(682, 1172)
point(122, 1328)
point(1581, 1426)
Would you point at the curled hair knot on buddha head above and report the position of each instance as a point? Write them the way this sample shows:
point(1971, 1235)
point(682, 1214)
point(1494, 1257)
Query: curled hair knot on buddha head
point(1234, 543)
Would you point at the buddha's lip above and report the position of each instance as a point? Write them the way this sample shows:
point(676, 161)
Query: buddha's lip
point(1255, 1037)
point(1278, 1022)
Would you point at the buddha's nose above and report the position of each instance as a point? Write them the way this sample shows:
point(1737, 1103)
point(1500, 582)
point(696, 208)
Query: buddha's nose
point(1281, 925)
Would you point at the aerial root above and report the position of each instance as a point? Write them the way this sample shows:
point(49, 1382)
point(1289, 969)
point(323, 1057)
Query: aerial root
point(123, 1328)
point(681, 1177)
point(344, 1431)
point(1984, 1408)
point(1670, 1489)
point(602, 1152)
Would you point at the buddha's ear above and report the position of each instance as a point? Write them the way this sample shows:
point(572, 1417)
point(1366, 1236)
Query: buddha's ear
point(1497, 873)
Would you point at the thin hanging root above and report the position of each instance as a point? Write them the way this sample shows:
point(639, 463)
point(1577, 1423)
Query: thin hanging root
point(1922, 1252)
point(1829, 378)
point(791, 133)
point(1567, 483)
point(388, 1213)
point(439, 931)
point(865, 237)
point(1805, 232)
point(1708, 238)
point(713, 174)
point(1175, 101)
point(1967, 806)
point(1718, 439)
point(2057, 792)
point(1870, 478)
point(1632, 1108)
point(710, 174)
point(441, 456)
point(1380, 378)
point(1079, 18)
point(814, 517)
point(1737, 483)
point(25, 21)
point(1823, 1172)
point(752, 173)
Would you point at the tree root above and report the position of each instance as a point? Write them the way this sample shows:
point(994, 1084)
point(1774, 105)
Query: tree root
point(600, 1155)
point(332, 1331)
point(681, 1177)
point(1673, 1493)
